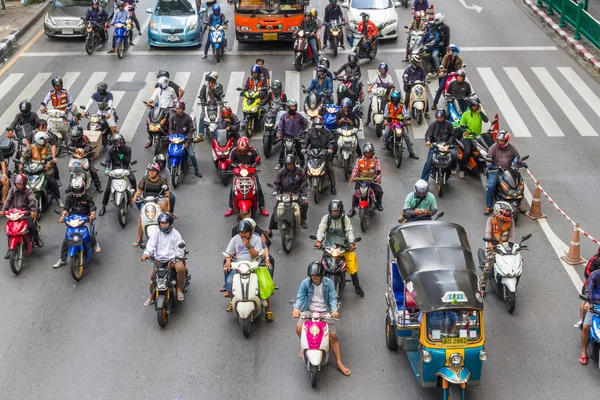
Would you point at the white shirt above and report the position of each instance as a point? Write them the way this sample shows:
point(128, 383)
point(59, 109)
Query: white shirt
point(164, 247)
point(164, 98)
point(317, 303)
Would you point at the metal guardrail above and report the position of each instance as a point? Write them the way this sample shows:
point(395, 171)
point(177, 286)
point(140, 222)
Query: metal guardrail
point(575, 14)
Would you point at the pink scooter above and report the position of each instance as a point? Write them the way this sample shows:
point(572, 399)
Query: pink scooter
point(314, 342)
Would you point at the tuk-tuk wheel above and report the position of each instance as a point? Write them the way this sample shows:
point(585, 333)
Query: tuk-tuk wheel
point(390, 333)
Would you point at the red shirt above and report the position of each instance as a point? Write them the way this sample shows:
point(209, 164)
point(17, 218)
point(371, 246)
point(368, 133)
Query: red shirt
point(371, 28)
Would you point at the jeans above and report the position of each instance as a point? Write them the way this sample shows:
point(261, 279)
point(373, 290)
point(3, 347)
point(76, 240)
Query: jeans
point(106, 196)
point(492, 182)
point(94, 172)
point(64, 249)
point(172, 200)
point(468, 149)
point(435, 59)
point(261, 196)
point(427, 167)
point(438, 94)
point(312, 42)
point(191, 155)
point(405, 136)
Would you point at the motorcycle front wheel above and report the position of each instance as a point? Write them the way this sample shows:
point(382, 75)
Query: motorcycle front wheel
point(334, 47)
point(511, 301)
point(162, 314)
point(75, 265)
point(267, 145)
point(246, 330)
point(287, 240)
point(364, 218)
point(378, 130)
point(121, 49)
point(314, 370)
point(224, 177)
point(419, 116)
point(175, 173)
point(89, 45)
point(122, 213)
point(347, 169)
point(398, 150)
point(157, 143)
point(16, 259)
point(298, 64)
point(218, 55)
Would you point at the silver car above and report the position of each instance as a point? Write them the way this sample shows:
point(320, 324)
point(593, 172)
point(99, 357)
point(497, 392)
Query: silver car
point(64, 19)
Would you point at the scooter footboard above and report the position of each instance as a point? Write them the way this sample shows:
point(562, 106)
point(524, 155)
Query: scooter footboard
point(456, 375)
point(315, 357)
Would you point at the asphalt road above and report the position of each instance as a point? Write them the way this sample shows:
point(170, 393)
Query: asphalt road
point(95, 340)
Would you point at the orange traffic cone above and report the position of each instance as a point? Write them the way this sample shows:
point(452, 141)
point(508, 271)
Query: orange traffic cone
point(574, 256)
point(535, 212)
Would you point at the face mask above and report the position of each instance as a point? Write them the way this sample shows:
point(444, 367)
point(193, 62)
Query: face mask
point(292, 112)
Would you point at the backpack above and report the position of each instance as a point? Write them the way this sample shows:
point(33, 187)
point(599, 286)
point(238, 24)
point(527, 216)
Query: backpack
point(343, 221)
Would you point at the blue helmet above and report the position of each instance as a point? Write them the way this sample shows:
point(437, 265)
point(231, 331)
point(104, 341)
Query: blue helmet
point(383, 66)
point(346, 102)
point(216, 9)
point(255, 68)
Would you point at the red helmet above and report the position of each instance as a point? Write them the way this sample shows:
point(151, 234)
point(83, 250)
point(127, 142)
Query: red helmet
point(226, 112)
point(503, 211)
point(502, 139)
point(20, 179)
point(243, 143)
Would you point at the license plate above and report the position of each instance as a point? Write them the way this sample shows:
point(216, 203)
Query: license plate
point(172, 38)
point(75, 238)
point(269, 36)
point(455, 342)
point(67, 31)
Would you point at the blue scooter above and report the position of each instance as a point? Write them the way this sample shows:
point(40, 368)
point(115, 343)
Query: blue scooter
point(177, 157)
point(123, 35)
point(80, 244)
point(217, 40)
point(594, 342)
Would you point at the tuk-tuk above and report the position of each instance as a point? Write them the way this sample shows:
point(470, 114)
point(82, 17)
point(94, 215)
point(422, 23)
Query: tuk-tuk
point(435, 305)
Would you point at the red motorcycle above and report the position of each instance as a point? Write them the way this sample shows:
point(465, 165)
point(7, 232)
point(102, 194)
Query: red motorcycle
point(222, 145)
point(245, 195)
point(302, 51)
point(366, 196)
point(19, 238)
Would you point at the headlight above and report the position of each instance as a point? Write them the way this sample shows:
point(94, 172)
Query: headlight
point(49, 20)
point(293, 28)
point(193, 25)
point(150, 212)
point(392, 22)
point(426, 356)
point(456, 359)
point(244, 28)
point(161, 284)
point(244, 172)
point(314, 330)
point(483, 355)
point(244, 269)
point(153, 25)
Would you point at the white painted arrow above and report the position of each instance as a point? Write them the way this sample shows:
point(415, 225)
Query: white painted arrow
point(473, 7)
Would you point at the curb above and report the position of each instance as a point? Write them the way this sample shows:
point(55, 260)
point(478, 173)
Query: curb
point(8, 42)
point(574, 44)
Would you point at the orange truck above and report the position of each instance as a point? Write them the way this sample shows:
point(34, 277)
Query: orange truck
point(267, 20)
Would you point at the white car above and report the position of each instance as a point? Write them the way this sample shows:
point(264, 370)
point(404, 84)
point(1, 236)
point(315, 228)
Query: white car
point(381, 12)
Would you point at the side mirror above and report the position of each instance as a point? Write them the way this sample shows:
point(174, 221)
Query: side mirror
point(239, 89)
point(313, 237)
point(346, 6)
point(397, 4)
point(270, 185)
point(524, 238)
point(82, 107)
point(439, 215)
point(524, 158)
point(464, 66)
point(149, 10)
point(358, 239)
point(405, 27)
point(582, 297)
point(164, 187)
point(488, 240)
point(103, 164)
point(181, 245)
point(133, 162)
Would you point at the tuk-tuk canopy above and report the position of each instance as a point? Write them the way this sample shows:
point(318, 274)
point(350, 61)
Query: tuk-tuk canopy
point(434, 259)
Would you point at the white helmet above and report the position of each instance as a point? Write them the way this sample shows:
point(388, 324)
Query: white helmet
point(41, 138)
point(163, 82)
point(439, 18)
point(421, 187)
point(251, 222)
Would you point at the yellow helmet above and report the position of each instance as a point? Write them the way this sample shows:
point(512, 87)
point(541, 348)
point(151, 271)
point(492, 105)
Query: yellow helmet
point(313, 12)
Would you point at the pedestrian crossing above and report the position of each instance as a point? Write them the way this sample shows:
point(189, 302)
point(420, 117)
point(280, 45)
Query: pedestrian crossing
point(532, 102)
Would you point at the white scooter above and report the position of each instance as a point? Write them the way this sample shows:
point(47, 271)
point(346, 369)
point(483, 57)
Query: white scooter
point(505, 275)
point(246, 302)
point(149, 213)
point(121, 191)
point(378, 107)
point(418, 100)
point(58, 125)
point(79, 169)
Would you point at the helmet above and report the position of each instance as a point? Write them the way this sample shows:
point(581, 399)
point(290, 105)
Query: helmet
point(321, 68)
point(77, 188)
point(117, 140)
point(440, 113)
point(313, 12)
point(318, 123)
point(439, 18)
point(418, 15)
point(252, 222)
point(364, 16)
point(276, 86)
point(121, 4)
point(180, 104)
point(325, 62)
point(216, 9)
point(473, 101)
point(368, 148)
point(25, 107)
point(226, 112)
point(503, 211)
point(421, 188)
point(383, 66)
point(255, 69)
point(333, 1)
point(161, 160)
point(57, 81)
point(153, 167)
point(212, 76)
point(76, 133)
point(352, 58)
point(20, 179)
point(336, 205)
point(163, 72)
point(502, 139)
point(461, 72)
point(95, 2)
point(163, 82)
point(168, 218)
point(346, 102)
point(315, 268)
point(414, 60)
point(41, 138)
point(245, 226)
point(307, 13)
point(292, 103)
point(243, 142)
point(102, 87)
point(395, 95)
point(454, 48)
point(290, 159)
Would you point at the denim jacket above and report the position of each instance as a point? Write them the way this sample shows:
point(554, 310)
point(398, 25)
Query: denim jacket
point(306, 290)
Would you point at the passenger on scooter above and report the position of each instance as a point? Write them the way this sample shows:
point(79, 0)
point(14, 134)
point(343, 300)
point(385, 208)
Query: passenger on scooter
point(81, 203)
point(315, 16)
point(25, 117)
point(317, 294)
point(104, 101)
point(178, 89)
point(368, 28)
point(450, 63)
point(592, 265)
point(211, 92)
point(151, 185)
point(470, 124)
point(460, 90)
point(317, 137)
point(501, 228)
point(163, 96)
point(418, 24)
point(98, 16)
point(345, 116)
point(394, 113)
point(78, 141)
point(291, 124)
point(352, 71)
point(432, 41)
point(214, 19)
point(420, 5)
point(367, 166)
point(310, 28)
point(164, 173)
point(120, 15)
point(256, 82)
point(278, 94)
point(441, 131)
point(118, 155)
point(61, 99)
point(38, 152)
point(502, 154)
point(336, 227)
point(163, 247)
point(419, 205)
point(414, 73)
point(42, 126)
point(325, 62)
point(230, 122)
point(21, 196)
point(592, 291)
point(182, 123)
point(383, 80)
point(322, 85)
point(443, 30)
point(290, 179)
point(244, 154)
point(333, 12)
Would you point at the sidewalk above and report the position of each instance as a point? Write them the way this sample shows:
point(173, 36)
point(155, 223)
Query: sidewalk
point(16, 20)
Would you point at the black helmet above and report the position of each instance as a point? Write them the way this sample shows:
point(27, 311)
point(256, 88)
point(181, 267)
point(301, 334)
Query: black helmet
point(315, 268)
point(77, 188)
point(336, 205)
point(318, 123)
point(117, 140)
point(160, 160)
point(440, 113)
point(368, 148)
point(353, 58)
point(163, 72)
point(76, 133)
point(245, 226)
point(165, 217)
point(324, 62)
point(57, 81)
point(473, 101)
point(102, 87)
point(25, 107)
point(290, 159)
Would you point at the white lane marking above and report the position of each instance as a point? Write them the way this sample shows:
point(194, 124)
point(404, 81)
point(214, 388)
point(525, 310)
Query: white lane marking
point(126, 77)
point(117, 97)
point(536, 106)
point(234, 49)
point(588, 94)
point(292, 85)
point(196, 101)
point(232, 96)
point(182, 79)
point(69, 79)
point(30, 90)
point(137, 111)
point(143, 29)
point(508, 110)
point(372, 74)
point(89, 88)
point(564, 102)
point(9, 83)
point(472, 7)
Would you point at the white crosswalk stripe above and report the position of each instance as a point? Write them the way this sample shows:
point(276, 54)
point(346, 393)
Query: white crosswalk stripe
point(584, 90)
point(28, 93)
point(89, 88)
point(196, 101)
point(126, 77)
point(9, 83)
point(138, 109)
point(292, 85)
point(232, 95)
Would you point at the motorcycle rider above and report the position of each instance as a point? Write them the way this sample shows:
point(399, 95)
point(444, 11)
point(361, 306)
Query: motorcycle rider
point(81, 203)
point(592, 291)
point(42, 126)
point(99, 17)
point(502, 153)
point(182, 123)
point(244, 154)
point(501, 228)
point(61, 98)
point(352, 71)
point(418, 24)
point(441, 131)
point(470, 125)
point(443, 30)
point(317, 294)
point(263, 70)
point(310, 28)
point(230, 122)
point(383, 80)
point(21, 196)
point(216, 18)
point(290, 179)
point(178, 90)
point(432, 40)
point(38, 152)
point(592, 265)
point(77, 140)
point(450, 63)
point(420, 5)
point(336, 227)
point(367, 166)
point(325, 62)
point(291, 124)
point(333, 12)
point(164, 96)
point(419, 205)
point(210, 93)
point(318, 137)
point(163, 247)
point(315, 16)
point(256, 82)
point(322, 85)
point(118, 155)
point(394, 113)
point(277, 93)
point(104, 100)
point(345, 116)
point(413, 73)
point(120, 15)
point(24, 117)
point(164, 173)
point(370, 30)
point(460, 89)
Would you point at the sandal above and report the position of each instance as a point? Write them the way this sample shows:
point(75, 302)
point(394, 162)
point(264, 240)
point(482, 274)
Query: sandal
point(149, 301)
point(583, 360)
point(269, 317)
point(223, 289)
point(180, 296)
point(227, 294)
point(229, 307)
point(136, 244)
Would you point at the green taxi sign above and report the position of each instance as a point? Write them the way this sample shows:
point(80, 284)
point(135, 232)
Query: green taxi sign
point(454, 297)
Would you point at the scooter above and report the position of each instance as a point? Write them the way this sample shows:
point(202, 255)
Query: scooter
point(349, 84)
point(302, 51)
point(316, 171)
point(98, 123)
point(222, 145)
point(288, 218)
point(211, 117)
point(177, 157)
point(289, 148)
point(593, 348)
point(313, 104)
point(121, 191)
point(252, 111)
point(38, 183)
point(79, 169)
point(93, 37)
point(334, 30)
point(508, 267)
point(441, 164)
point(330, 117)
point(377, 108)
point(20, 242)
point(58, 124)
point(363, 48)
point(149, 213)
point(415, 41)
point(314, 342)
point(123, 36)
point(270, 132)
point(347, 143)
point(366, 204)
point(334, 264)
point(245, 195)
point(217, 40)
point(80, 244)
point(418, 100)
point(157, 124)
point(510, 187)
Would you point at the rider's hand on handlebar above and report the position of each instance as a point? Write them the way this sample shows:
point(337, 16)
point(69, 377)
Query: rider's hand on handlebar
point(335, 314)
point(318, 244)
point(351, 180)
point(43, 110)
point(61, 219)
point(296, 313)
point(428, 144)
point(227, 266)
point(352, 247)
point(144, 257)
point(10, 134)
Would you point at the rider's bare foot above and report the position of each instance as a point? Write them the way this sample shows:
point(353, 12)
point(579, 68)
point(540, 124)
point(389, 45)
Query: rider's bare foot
point(343, 369)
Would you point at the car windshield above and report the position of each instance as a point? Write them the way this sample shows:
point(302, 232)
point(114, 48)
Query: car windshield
point(453, 324)
point(174, 7)
point(69, 3)
point(372, 4)
point(269, 7)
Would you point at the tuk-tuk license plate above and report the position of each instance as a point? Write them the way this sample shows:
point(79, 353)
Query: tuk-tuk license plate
point(67, 31)
point(269, 36)
point(172, 39)
point(455, 342)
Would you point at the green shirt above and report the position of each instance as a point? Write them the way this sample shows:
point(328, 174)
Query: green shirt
point(429, 203)
point(473, 121)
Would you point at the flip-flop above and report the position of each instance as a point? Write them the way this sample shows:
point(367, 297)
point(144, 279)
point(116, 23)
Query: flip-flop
point(180, 296)
point(136, 244)
point(226, 294)
point(149, 302)
point(223, 289)
point(345, 373)
point(583, 360)
point(229, 307)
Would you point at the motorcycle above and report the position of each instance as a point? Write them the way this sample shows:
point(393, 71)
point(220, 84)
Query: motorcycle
point(20, 242)
point(415, 41)
point(149, 213)
point(121, 191)
point(211, 117)
point(58, 125)
point(38, 183)
point(377, 108)
point(508, 267)
point(98, 123)
point(441, 164)
point(347, 142)
point(287, 216)
point(157, 124)
point(396, 141)
point(123, 36)
point(80, 244)
point(302, 51)
point(79, 169)
point(366, 204)
point(314, 342)
point(270, 132)
point(217, 40)
point(510, 187)
point(363, 48)
point(316, 171)
point(593, 348)
point(8, 147)
point(252, 111)
point(334, 264)
point(94, 36)
point(330, 116)
point(222, 145)
point(418, 100)
point(289, 146)
point(346, 85)
point(177, 157)
point(334, 32)
point(314, 103)
point(245, 195)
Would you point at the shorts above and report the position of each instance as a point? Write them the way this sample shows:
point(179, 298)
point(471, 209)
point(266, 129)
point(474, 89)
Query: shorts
point(587, 320)
point(331, 323)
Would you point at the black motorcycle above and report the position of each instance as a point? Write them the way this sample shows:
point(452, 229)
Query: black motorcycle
point(364, 48)
point(270, 131)
point(510, 186)
point(441, 165)
point(334, 32)
point(334, 263)
point(158, 126)
point(96, 35)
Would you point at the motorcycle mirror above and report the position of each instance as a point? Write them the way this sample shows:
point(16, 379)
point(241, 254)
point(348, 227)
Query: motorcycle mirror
point(164, 187)
point(582, 297)
point(239, 89)
point(82, 107)
point(438, 216)
point(57, 212)
point(405, 27)
point(149, 10)
point(313, 237)
point(270, 185)
point(103, 164)
point(524, 158)
point(181, 245)
point(488, 240)
point(133, 162)
point(524, 238)
point(358, 239)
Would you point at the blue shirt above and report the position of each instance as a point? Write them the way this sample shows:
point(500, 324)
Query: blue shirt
point(432, 35)
point(307, 289)
point(120, 16)
point(321, 88)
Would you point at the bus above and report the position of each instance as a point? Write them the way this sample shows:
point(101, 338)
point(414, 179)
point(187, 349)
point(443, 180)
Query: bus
point(267, 20)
